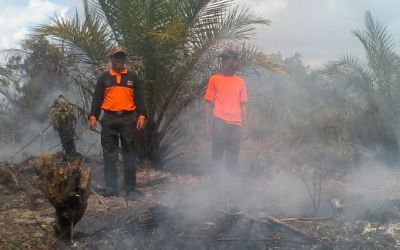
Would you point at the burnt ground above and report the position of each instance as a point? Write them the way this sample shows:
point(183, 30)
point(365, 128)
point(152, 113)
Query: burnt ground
point(176, 211)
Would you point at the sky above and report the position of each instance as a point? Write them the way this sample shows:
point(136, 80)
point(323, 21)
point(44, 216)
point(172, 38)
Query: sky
point(319, 30)
point(18, 17)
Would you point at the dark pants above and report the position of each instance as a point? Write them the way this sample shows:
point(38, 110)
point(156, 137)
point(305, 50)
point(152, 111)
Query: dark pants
point(117, 128)
point(226, 140)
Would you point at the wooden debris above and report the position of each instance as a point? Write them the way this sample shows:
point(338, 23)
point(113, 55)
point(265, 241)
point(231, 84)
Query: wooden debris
point(247, 239)
point(8, 177)
point(305, 219)
point(296, 231)
point(66, 186)
point(278, 223)
point(98, 197)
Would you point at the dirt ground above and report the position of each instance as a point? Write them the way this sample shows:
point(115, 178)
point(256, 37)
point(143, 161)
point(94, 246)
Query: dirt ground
point(182, 211)
point(27, 219)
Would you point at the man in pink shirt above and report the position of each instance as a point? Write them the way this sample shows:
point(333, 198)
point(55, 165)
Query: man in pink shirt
point(226, 109)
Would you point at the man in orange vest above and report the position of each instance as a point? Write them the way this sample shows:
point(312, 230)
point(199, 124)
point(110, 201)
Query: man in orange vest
point(118, 93)
point(227, 92)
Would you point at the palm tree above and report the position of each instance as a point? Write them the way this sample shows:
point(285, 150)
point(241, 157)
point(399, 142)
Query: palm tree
point(6, 77)
point(371, 90)
point(173, 46)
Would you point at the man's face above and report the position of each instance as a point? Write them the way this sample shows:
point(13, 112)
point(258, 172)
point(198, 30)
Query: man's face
point(118, 61)
point(230, 64)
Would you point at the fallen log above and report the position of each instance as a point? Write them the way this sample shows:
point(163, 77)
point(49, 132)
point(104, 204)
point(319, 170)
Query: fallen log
point(296, 231)
point(306, 219)
point(67, 186)
point(247, 239)
point(278, 223)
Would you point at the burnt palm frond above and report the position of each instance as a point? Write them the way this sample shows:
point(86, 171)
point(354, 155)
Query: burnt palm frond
point(63, 115)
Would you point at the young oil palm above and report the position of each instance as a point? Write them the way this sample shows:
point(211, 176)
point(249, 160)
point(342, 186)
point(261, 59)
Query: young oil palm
point(172, 44)
point(371, 89)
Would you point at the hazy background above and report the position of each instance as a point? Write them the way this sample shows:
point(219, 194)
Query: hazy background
point(305, 126)
point(317, 29)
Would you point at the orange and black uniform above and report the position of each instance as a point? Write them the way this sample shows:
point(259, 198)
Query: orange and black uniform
point(228, 94)
point(119, 95)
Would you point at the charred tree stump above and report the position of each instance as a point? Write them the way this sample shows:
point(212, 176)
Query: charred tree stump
point(64, 120)
point(67, 187)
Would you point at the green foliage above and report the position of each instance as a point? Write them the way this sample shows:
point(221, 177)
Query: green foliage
point(371, 90)
point(40, 68)
point(172, 44)
point(87, 38)
point(5, 77)
point(32, 74)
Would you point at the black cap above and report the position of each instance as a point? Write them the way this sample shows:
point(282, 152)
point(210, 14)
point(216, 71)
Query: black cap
point(118, 50)
point(229, 53)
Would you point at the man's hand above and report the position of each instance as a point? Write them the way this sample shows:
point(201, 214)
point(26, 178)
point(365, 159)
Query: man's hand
point(141, 122)
point(92, 123)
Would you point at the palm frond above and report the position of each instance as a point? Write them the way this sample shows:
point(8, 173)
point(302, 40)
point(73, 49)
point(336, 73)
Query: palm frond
point(89, 39)
point(350, 71)
point(5, 77)
point(239, 24)
point(379, 47)
point(236, 23)
point(251, 57)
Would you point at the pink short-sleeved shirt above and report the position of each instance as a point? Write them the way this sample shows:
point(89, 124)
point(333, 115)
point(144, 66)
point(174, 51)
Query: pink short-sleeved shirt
point(228, 93)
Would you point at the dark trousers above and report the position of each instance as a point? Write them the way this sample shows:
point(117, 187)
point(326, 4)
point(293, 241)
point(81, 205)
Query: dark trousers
point(115, 128)
point(226, 140)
